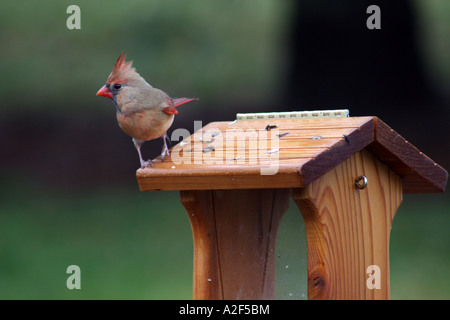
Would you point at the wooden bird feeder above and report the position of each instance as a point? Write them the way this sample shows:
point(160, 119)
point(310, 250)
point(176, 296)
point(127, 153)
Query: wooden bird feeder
point(347, 176)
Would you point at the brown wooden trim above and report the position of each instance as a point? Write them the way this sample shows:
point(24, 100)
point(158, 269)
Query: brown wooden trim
point(420, 173)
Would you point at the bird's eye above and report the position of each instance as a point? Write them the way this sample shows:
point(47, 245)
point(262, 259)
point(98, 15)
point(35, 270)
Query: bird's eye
point(117, 86)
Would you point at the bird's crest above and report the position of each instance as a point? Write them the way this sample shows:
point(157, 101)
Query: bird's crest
point(120, 70)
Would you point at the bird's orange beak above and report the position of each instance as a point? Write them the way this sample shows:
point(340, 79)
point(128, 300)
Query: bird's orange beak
point(105, 92)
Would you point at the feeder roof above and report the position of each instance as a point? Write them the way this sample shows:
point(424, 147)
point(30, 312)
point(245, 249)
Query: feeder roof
point(286, 153)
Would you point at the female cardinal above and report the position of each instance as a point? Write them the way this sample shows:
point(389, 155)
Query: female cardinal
point(143, 112)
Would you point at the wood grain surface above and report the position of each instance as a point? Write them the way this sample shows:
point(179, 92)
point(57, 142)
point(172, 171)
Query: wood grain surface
point(234, 234)
point(244, 155)
point(241, 151)
point(348, 229)
point(420, 174)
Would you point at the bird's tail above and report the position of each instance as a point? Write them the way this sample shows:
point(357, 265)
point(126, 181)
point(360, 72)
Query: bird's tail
point(175, 103)
point(179, 101)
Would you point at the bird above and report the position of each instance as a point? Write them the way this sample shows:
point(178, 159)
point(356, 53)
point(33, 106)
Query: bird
point(142, 111)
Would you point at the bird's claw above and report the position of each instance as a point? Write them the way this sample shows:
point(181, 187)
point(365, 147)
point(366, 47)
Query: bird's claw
point(147, 163)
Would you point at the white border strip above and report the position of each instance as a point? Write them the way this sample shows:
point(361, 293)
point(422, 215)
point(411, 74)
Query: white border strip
point(340, 113)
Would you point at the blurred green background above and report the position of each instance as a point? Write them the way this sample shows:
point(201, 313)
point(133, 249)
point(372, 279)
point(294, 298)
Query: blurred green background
point(68, 192)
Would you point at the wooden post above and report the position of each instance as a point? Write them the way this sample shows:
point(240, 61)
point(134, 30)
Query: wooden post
point(234, 235)
point(348, 229)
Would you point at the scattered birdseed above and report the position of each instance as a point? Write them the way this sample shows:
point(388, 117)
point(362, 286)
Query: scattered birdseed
point(347, 139)
point(209, 148)
point(269, 127)
point(274, 150)
point(283, 134)
point(206, 140)
point(316, 138)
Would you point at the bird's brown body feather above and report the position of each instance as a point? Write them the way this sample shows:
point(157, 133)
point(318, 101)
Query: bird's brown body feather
point(140, 110)
point(146, 124)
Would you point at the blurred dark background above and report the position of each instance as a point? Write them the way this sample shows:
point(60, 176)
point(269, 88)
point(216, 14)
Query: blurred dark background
point(68, 189)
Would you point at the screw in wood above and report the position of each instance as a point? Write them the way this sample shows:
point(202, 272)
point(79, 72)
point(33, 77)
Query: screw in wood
point(361, 182)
